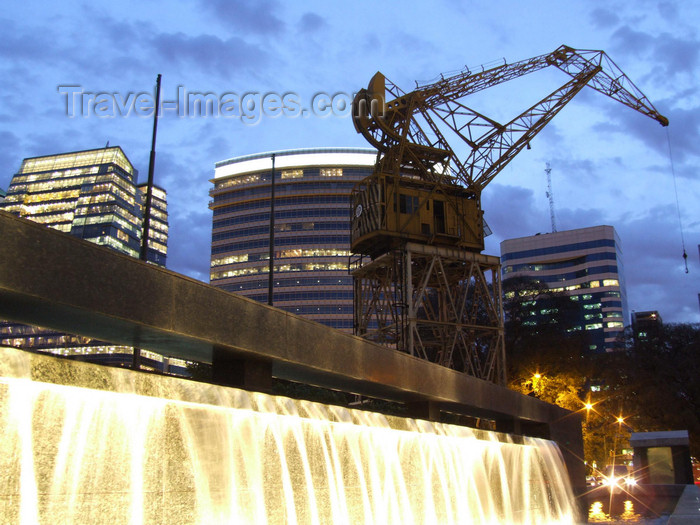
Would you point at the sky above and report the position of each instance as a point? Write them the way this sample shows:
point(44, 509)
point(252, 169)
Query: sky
point(76, 75)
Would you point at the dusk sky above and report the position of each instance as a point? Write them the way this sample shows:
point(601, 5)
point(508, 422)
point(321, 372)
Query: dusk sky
point(610, 164)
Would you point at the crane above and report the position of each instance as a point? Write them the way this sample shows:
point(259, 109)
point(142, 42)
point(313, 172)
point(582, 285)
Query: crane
point(421, 281)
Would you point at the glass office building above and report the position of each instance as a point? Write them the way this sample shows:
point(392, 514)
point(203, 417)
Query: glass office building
point(93, 195)
point(311, 229)
point(585, 264)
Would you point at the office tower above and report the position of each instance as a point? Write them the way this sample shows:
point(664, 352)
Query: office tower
point(158, 224)
point(311, 229)
point(646, 325)
point(586, 265)
point(93, 195)
point(90, 194)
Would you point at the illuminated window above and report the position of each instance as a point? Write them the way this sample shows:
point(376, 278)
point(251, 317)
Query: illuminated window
point(611, 282)
point(594, 326)
point(292, 174)
point(331, 172)
point(614, 324)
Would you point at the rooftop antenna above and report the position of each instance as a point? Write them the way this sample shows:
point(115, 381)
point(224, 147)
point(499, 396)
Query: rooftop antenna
point(550, 196)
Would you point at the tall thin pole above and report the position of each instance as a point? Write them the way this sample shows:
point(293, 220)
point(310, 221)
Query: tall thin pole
point(149, 186)
point(272, 233)
point(145, 233)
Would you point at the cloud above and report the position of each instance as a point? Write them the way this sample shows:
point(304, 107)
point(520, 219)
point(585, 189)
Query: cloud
point(208, 52)
point(510, 211)
point(683, 130)
point(27, 44)
point(604, 18)
point(9, 163)
point(654, 268)
point(189, 244)
point(249, 16)
point(674, 54)
point(311, 22)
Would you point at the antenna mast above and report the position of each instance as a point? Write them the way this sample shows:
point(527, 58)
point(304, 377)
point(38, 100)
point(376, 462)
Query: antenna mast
point(550, 196)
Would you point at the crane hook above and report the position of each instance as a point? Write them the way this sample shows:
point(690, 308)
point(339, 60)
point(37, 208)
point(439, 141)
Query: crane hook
point(685, 260)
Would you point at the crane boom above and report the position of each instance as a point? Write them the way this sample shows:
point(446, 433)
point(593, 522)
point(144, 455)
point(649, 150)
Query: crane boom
point(415, 122)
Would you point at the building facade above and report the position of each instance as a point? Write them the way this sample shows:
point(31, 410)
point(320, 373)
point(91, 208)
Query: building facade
point(93, 195)
point(586, 265)
point(646, 325)
point(311, 229)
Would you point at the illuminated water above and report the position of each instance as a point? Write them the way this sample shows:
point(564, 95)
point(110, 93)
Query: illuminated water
point(192, 453)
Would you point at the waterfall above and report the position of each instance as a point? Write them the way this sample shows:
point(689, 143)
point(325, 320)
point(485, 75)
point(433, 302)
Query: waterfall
point(87, 444)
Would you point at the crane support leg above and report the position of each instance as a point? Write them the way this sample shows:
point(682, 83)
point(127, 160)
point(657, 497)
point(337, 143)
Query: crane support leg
point(436, 303)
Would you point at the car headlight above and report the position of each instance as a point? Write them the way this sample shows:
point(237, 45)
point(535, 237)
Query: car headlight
point(631, 482)
point(609, 482)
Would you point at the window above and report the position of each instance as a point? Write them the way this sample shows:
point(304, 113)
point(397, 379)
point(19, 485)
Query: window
point(591, 306)
point(408, 204)
point(331, 172)
point(292, 174)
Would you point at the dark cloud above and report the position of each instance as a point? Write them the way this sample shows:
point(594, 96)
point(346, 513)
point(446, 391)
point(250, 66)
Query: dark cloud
point(656, 278)
point(189, 244)
point(9, 163)
point(683, 131)
point(311, 22)
point(669, 10)
point(673, 54)
point(676, 55)
point(27, 44)
point(629, 41)
point(510, 211)
point(208, 52)
point(249, 16)
point(604, 18)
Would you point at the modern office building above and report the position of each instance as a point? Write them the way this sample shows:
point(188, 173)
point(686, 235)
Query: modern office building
point(585, 264)
point(646, 325)
point(93, 195)
point(311, 229)
point(90, 194)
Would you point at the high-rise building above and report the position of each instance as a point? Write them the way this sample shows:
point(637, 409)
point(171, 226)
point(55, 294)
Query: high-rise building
point(311, 229)
point(646, 325)
point(90, 194)
point(585, 264)
point(93, 195)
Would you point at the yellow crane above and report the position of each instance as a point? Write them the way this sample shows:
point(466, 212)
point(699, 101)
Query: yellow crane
point(421, 282)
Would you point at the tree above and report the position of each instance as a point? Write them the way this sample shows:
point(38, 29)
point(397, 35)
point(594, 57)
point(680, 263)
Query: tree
point(548, 359)
point(661, 381)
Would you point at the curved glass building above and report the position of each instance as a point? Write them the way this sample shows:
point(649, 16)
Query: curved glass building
point(311, 229)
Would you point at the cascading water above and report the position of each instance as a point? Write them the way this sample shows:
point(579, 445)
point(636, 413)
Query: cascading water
point(146, 449)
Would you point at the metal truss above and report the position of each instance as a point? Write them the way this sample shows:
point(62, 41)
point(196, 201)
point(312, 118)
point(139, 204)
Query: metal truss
point(436, 303)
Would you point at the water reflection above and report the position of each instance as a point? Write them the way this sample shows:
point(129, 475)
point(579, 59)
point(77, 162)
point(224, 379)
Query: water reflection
point(614, 511)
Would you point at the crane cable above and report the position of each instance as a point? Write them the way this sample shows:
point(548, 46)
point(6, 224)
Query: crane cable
point(678, 207)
